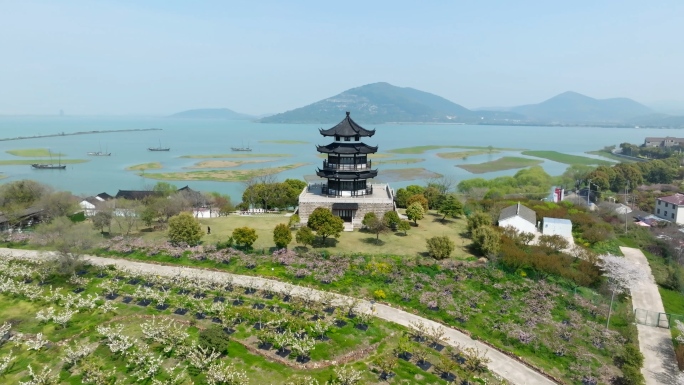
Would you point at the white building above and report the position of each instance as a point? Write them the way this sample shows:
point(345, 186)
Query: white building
point(91, 205)
point(557, 226)
point(670, 208)
point(520, 218)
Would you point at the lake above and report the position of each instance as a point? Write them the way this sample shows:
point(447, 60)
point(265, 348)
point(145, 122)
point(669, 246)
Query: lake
point(196, 137)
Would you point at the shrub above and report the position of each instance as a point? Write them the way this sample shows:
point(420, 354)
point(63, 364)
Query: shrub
point(486, 240)
point(379, 294)
point(214, 337)
point(404, 226)
point(478, 219)
point(245, 236)
point(282, 235)
point(368, 219)
point(440, 247)
point(305, 236)
point(553, 242)
point(391, 219)
point(184, 228)
point(598, 232)
point(227, 244)
point(294, 221)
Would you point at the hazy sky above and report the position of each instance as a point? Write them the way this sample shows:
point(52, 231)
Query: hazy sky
point(160, 57)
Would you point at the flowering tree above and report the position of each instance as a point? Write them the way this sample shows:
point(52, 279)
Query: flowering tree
point(621, 275)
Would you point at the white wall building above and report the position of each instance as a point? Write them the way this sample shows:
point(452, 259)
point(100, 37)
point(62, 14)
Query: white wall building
point(520, 218)
point(670, 208)
point(557, 226)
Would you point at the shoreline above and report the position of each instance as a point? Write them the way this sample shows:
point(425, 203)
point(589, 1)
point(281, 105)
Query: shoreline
point(78, 133)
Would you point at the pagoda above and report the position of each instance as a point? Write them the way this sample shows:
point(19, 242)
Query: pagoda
point(346, 172)
point(347, 168)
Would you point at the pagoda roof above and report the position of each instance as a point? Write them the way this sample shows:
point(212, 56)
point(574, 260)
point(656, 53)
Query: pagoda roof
point(347, 128)
point(347, 175)
point(347, 148)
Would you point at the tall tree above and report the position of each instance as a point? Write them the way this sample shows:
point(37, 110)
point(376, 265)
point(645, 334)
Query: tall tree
point(451, 207)
point(415, 212)
point(325, 224)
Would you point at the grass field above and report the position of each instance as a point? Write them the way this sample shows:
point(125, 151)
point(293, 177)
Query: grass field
point(412, 244)
point(567, 158)
point(422, 149)
point(19, 162)
point(609, 155)
point(400, 161)
point(33, 152)
point(145, 166)
point(235, 155)
point(505, 163)
point(464, 154)
point(284, 141)
point(223, 175)
point(226, 163)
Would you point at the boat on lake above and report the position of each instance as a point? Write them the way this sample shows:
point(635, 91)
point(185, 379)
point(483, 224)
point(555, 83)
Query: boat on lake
point(99, 153)
point(243, 148)
point(160, 148)
point(50, 166)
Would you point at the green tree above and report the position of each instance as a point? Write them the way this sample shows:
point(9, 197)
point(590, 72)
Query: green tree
point(375, 225)
point(415, 212)
point(478, 219)
point(102, 219)
point(305, 236)
point(184, 228)
point(22, 193)
point(450, 206)
point(391, 219)
point(420, 198)
point(440, 247)
point(325, 224)
point(148, 215)
point(403, 194)
point(245, 236)
point(404, 226)
point(486, 240)
point(166, 189)
point(368, 218)
point(282, 235)
point(294, 221)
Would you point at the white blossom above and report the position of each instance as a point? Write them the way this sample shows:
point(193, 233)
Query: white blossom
point(221, 374)
point(76, 354)
point(621, 273)
point(45, 377)
point(346, 376)
point(200, 357)
point(5, 362)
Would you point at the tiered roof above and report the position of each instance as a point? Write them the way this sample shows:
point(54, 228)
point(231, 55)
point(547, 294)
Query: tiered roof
point(347, 148)
point(347, 175)
point(347, 128)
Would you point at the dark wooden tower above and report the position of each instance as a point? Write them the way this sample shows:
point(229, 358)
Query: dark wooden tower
point(348, 166)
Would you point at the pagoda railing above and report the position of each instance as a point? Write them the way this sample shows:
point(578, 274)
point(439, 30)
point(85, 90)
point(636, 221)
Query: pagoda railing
point(347, 167)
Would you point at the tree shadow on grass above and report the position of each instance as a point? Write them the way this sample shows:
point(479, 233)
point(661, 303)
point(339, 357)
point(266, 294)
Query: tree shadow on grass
point(330, 242)
point(373, 241)
point(400, 234)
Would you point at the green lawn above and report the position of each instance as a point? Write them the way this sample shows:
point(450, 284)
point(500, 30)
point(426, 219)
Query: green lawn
point(505, 163)
point(33, 152)
point(567, 158)
point(412, 244)
point(422, 149)
point(236, 155)
point(145, 166)
point(18, 162)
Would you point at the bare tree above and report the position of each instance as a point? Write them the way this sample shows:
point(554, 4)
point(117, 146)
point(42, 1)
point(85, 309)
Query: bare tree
point(621, 274)
point(444, 184)
point(127, 215)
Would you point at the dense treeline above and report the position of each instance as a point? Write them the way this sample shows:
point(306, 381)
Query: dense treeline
point(615, 178)
point(266, 193)
point(649, 152)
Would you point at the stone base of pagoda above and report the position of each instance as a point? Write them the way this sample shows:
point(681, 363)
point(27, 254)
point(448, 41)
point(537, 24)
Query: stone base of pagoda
point(350, 208)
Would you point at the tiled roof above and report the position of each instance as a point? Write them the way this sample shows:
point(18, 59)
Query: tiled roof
point(519, 210)
point(347, 128)
point(558, 221)
point(677, 199)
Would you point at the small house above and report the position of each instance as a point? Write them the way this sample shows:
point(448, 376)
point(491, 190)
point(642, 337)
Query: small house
point(668, 208)
point(90, 206)
point(557, 226)
point(520, 218)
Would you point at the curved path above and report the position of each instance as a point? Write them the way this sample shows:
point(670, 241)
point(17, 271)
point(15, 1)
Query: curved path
point(507, 367)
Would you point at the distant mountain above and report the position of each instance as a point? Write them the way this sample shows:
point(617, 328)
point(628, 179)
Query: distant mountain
point(658, 120)
point(383, 102)
point(571, 107)
point(212, 113)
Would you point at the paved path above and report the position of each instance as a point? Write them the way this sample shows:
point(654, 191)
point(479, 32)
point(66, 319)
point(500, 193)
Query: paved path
point(512, 370)
point(655, 343)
